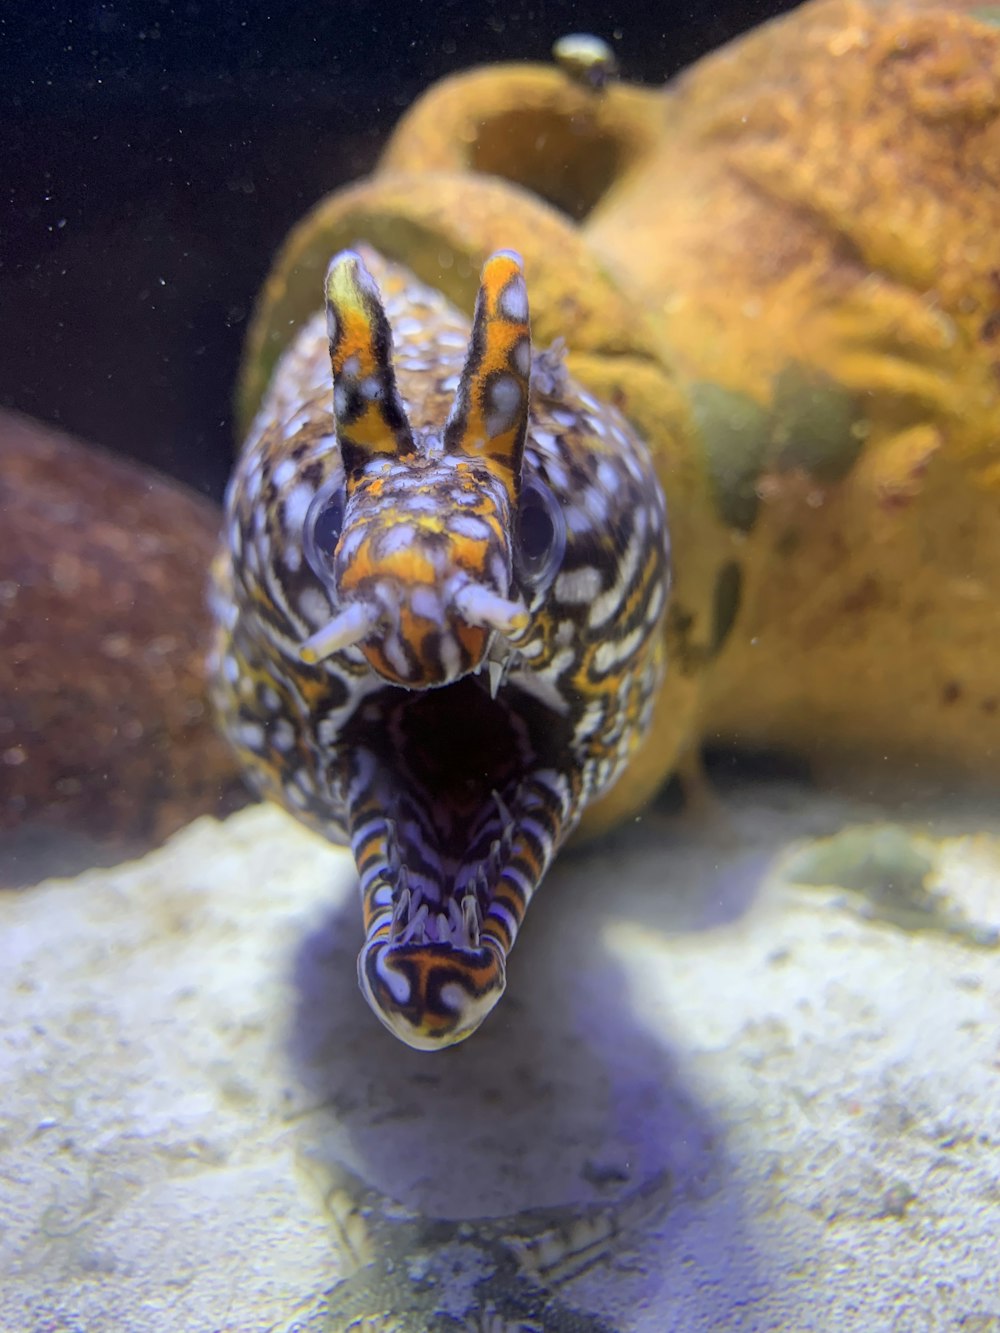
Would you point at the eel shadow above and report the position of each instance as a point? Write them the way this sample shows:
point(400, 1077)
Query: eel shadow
point(566, 1098)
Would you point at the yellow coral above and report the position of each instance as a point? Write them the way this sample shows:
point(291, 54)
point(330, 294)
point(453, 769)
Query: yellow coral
point(783, 268)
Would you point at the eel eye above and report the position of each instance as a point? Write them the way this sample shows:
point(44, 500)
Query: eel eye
point(541, 535)
point(324, 520)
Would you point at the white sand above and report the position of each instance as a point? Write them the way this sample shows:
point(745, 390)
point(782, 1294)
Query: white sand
point(767, 1106)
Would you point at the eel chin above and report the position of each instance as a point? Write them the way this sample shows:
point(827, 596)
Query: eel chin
point(458, 801)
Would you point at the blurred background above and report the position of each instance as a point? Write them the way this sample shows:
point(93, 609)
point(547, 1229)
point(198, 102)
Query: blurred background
point(154, 154)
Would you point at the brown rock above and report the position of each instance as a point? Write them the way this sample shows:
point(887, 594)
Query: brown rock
point(782, 268)
point(106, 741)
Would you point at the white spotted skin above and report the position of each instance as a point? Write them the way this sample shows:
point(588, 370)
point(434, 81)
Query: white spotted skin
point(591, 656)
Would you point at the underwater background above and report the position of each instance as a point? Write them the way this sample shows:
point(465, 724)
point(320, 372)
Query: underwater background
point(156, 154)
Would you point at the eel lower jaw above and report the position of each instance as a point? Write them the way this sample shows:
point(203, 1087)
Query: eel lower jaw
point(478, 807)
point(431, 996)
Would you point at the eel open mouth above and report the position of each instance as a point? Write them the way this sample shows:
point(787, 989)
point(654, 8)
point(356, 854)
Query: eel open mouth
point(458, 802)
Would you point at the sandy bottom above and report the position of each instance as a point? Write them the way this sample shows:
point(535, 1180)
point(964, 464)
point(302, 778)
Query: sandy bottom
point(746, 1077)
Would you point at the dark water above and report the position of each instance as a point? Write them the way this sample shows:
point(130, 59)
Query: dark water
point(154, 155)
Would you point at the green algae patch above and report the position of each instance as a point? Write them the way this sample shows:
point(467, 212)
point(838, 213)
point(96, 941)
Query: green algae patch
point(890, 869)
point(736, 436)
point(726, 600)
point(880, 861)
point(813, 425)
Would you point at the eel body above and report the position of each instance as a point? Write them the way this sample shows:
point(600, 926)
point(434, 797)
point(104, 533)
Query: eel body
point(440, 602)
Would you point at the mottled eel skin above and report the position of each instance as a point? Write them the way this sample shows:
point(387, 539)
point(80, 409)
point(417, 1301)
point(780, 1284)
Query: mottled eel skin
point(440, 602)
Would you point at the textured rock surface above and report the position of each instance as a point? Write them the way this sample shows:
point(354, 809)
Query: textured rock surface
point(745, 1102)
point(104, 727)
point(782, 268)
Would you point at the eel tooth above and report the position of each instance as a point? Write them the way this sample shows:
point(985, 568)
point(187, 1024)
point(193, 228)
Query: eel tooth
point(400, 914)
point(506, 818)
point(497, 674)
point(416, 899)
point(480, 884)
point(471, 918)
point(416, 923)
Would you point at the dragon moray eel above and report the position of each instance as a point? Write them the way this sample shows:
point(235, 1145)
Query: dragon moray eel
point(440, 602)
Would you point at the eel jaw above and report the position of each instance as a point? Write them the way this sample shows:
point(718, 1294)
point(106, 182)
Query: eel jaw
point(431, 995)
point(453, 826)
